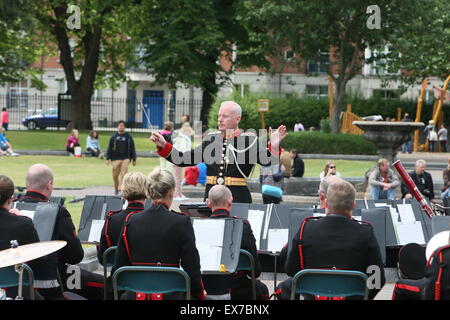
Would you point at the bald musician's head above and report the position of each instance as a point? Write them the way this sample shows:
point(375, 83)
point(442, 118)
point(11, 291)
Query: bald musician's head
point(219, 196)
point(340, 198)
point(40, 179)
point(230, 114)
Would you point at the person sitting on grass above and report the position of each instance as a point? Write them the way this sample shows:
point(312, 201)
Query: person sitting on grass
point(5, 146)
point(72, 142)
point(93, 144)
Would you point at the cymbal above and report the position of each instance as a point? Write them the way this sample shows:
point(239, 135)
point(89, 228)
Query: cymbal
point(28, 252)
point(439, 240)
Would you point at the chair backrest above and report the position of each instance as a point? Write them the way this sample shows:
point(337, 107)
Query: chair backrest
point(330, 283)
point(109, 257)
point(10, 278)
point(246, 261)
point(151, 280)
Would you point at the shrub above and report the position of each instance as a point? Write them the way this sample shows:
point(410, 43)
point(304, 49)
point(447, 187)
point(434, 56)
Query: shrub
point(327, 143)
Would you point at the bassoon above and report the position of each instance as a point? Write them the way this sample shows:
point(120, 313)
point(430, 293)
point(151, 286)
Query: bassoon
point(413, 188)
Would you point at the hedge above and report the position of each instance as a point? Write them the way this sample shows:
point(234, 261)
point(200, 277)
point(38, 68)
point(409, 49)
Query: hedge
point(310, 110)
point(327, 143)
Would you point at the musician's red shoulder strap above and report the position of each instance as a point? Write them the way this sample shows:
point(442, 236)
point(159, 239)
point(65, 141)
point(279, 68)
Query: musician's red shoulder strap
point(124, 234)
point(109, 214)
point(300, 246)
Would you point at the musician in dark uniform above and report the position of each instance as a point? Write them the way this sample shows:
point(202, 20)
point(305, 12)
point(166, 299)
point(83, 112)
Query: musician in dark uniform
point(39, 189)
point(335, 241)
point(159, 237)
point(423, 181)
point(134, 191)
point(220, 200)
point(15, 227)
point(229, 153)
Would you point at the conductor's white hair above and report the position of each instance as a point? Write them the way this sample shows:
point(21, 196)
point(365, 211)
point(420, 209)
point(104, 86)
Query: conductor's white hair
point(235, 107)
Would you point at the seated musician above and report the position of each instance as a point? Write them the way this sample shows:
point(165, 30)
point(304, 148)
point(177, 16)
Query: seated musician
point(335, 241)
point(15, 227)
point(220, 200)
point(134, 190)
point(39, 182)
point(159, 237)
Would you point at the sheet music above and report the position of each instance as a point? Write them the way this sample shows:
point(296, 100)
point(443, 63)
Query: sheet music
point(410, 233)
point(96, 230)
point(209, 232)
point(406, 213)
point(379, 205)
point(357, 218)
point(256, 218)
point(125, 205)
point(27, 213)
point(277, 238)
point(210, 257)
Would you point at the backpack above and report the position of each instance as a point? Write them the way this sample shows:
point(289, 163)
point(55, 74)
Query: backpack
point(437, 275)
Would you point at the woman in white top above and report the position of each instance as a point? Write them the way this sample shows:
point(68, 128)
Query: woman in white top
point(329, 170)
point(181, 142)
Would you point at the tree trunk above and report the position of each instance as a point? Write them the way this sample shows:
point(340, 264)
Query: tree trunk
point(81, 110)
point(210, 89)
point(338, 105)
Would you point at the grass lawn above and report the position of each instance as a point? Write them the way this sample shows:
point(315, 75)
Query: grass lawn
point(56, 140)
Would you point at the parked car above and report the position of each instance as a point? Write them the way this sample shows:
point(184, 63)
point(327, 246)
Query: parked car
point(44, 119)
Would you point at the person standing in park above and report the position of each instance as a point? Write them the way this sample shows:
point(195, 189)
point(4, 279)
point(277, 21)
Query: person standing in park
point(432, 136)
point(121, 151)
point(442, 136)
point(5, 119)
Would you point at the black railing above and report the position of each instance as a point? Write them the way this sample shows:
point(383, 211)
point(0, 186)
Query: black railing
point(106, 112)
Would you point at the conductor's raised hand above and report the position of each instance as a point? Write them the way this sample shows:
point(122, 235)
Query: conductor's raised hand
point(158, 139)
point(277, 136)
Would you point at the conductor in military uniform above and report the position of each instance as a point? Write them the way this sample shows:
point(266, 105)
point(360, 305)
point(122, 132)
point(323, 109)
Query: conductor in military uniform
point(229, 154)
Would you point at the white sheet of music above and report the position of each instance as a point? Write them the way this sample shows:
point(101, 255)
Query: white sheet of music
point(125, 205)
point(27, 213)
point(410, 233)
point(209, 232)
point(318, 214)
point(267, 221)
point(406, 213)
point(209, 235)
point(380, 205)
point(277, 238)
point(210, 257)
point(96, 230)
point(256, 218)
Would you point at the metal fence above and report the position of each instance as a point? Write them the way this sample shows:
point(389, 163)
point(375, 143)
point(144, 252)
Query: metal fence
point(139, 114)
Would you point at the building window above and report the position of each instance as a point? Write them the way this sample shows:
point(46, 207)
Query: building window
point(428, 97)
point(62, 86)
point(243, 89)
point(386, 94)
point(17, 94)
point(316, 91)
point(320, 65)
point(98, 95)
point(289, 55)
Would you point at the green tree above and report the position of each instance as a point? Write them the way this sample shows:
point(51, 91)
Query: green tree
point(18, 48)
point(419, 48)
point(343, 28)
point(186, 39)
point(94, 55)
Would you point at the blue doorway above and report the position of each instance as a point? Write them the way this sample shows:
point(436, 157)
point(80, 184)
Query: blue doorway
point(153, 108)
